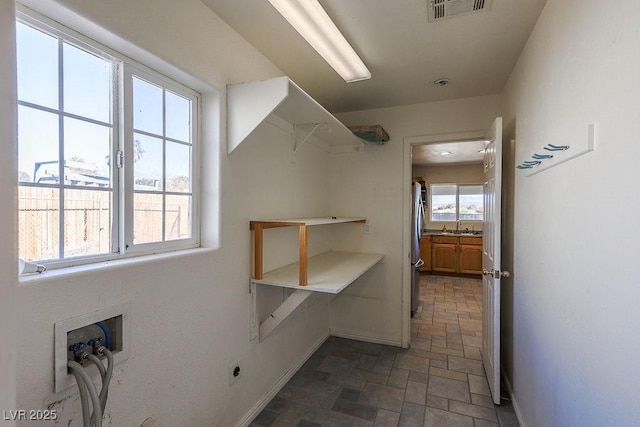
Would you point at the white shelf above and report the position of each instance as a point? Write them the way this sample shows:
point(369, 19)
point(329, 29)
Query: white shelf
point(250, 104)
point(329, 272)
point(309, 222)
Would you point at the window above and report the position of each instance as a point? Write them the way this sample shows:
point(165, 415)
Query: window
point(454, 202)
point(106, 151)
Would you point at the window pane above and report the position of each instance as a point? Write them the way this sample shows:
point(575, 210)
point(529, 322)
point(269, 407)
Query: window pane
point(147, 218)
point(147, 157)
point(471, 203)
point(87, 84)
point(37, 56)
point(443, 202)
point(178, 167)
point(178, 217)
point(87, 222)
point(178, 117)
point(87, 149)
point(38, 216)
point(37, 146)
point(147, 106)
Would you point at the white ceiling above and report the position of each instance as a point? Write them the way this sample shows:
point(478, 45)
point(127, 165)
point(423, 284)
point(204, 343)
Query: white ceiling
point(404, 52)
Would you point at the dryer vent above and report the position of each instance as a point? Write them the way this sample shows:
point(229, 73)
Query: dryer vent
point(372, 134)
point(442, 9)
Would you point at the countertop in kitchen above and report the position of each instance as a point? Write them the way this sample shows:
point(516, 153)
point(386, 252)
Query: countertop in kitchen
point(432, 232)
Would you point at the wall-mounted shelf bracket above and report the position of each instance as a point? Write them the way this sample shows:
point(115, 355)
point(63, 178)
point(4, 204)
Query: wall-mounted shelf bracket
point(288, 306)
point(251, 104)
point(297, 145)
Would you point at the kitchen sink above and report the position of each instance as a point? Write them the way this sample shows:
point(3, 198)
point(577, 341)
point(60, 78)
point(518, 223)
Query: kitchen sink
point(448, 233)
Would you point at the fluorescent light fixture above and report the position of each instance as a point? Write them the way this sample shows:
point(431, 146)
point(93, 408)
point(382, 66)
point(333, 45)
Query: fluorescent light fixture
point(312, 22)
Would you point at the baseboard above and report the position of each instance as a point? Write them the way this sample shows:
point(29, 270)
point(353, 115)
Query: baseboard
point(514, 400)
point(260, 405)
point(394, 341)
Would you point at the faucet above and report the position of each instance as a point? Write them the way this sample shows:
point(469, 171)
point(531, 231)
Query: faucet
point(458, 226)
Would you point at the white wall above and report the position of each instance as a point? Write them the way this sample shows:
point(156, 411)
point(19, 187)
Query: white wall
point(450, 174)
point(189, 312)
point(575, 342)
point(8, 248)
point(371, 182)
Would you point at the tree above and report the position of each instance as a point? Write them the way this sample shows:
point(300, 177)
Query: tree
point(138, 151)
point(24, 177)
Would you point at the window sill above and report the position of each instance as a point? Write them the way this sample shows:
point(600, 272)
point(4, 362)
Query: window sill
point(102, 266)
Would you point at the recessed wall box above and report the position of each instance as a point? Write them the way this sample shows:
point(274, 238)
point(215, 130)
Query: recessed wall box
point(116, 323)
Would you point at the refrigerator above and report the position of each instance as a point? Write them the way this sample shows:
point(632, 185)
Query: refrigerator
point(417, 222)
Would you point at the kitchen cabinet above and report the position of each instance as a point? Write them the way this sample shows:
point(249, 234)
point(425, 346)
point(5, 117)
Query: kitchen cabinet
point(470, 255)
point(425, 252)
point(444, 254)
point(456, 254)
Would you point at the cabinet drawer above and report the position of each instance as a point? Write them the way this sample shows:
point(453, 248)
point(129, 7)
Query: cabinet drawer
point(471, 240)
point(445, 239)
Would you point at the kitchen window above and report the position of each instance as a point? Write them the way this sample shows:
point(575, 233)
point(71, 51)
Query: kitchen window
point(106, 151)
point(457, 202)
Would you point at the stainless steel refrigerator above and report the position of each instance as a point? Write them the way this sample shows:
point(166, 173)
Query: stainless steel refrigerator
point(417, 222)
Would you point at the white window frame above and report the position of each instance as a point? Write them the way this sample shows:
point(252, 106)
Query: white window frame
point(457, 185)
point(128, 72)
point(122, 141)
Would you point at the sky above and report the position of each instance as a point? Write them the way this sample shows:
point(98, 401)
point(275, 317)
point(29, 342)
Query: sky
point(87, 83)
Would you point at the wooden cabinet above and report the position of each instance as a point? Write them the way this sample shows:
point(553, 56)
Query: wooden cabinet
point(425, 252)
point(445, 257)
point(455, 254)
point(470, 255)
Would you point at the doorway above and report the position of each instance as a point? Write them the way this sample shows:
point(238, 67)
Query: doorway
point(432, 143)
point(448, 206)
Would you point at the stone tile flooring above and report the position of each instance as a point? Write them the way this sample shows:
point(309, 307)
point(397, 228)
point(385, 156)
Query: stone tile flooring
point(439, 381)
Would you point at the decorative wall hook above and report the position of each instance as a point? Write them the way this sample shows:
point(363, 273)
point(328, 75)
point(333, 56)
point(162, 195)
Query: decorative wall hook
point(558, 154)
point(551, 147)
point(542, 156)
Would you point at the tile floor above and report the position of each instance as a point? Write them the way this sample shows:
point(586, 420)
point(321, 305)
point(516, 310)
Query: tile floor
point(439, 381)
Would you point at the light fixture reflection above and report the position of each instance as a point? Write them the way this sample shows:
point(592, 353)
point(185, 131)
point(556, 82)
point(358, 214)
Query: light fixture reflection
point(312, 22)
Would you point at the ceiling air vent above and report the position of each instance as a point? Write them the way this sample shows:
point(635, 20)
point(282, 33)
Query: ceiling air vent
point(442, 9)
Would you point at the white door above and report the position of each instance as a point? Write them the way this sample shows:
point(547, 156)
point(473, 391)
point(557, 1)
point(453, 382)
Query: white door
point(491, 259)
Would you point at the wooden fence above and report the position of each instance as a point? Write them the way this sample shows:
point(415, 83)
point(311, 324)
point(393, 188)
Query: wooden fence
point(87, 221)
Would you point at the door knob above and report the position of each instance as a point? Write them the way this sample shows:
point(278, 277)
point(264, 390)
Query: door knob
point(496, 274)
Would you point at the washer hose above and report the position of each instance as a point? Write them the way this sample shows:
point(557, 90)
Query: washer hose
point(86, 386)
point(84, 381)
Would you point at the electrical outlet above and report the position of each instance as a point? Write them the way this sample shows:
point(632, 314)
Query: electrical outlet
point(234, 372)
point(367, 228)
